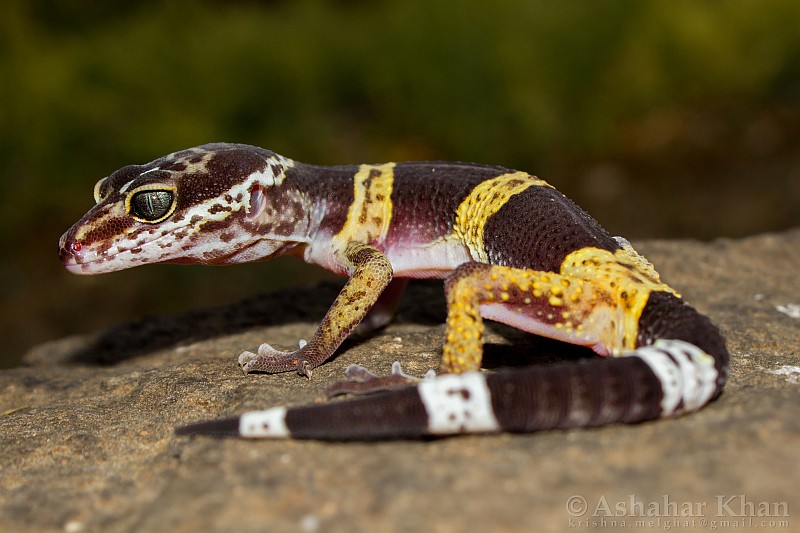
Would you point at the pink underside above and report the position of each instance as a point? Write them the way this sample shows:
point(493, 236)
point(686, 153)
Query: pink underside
point(409, 257)
point(421, 260)
point(502, 313)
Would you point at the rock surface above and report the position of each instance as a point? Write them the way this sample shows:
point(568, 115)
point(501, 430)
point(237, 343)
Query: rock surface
point(87, 442)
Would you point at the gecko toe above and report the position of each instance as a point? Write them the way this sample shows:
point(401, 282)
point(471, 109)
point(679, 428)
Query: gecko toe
point(246, 361)
point(267, 351)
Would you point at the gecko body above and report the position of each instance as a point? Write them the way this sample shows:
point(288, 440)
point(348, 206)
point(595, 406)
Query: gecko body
point(509, 246)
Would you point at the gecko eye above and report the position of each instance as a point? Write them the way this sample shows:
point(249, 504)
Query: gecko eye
point(151, 206)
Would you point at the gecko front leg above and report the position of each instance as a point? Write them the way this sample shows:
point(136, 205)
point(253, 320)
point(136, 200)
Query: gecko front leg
point(370, 273)
point(384, 309)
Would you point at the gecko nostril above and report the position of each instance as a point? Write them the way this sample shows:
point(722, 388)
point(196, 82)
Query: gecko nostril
point(69, 250)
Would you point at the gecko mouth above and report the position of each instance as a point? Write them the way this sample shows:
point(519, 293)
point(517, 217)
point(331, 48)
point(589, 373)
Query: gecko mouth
point(101, 257)
point(80, 258)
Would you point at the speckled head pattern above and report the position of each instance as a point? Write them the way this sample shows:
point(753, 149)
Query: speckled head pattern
point(213, 204)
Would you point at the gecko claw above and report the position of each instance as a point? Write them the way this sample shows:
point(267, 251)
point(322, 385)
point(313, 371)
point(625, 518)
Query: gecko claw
point(304, 369)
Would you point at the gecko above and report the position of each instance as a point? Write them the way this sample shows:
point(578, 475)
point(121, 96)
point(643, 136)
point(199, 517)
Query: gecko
point(509, 247)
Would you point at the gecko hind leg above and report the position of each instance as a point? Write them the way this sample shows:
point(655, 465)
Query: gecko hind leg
point(560, 306)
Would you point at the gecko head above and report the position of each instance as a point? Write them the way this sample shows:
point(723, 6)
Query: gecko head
point(214, 204)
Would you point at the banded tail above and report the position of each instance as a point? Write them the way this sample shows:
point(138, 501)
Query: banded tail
point(681, 364)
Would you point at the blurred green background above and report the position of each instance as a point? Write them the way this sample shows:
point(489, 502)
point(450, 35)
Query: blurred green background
point(662, 119)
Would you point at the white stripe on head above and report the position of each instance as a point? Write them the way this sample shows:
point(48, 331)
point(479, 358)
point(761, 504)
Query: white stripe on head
point(241, 190)
point(124, 188)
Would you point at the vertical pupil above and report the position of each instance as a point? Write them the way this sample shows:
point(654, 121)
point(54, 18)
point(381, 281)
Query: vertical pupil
point(152, 204)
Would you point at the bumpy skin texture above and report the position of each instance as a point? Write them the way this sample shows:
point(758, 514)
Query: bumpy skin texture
point(510, 247)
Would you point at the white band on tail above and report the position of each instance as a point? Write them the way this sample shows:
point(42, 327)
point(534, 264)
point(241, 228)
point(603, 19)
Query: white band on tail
point(686, 373)
point(270, 423)
point(458, 403)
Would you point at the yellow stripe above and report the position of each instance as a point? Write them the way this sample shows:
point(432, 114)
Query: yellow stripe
point(485, 200)
point(370, 214)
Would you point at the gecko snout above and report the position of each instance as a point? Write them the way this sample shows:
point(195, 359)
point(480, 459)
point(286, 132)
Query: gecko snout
point(70, 250)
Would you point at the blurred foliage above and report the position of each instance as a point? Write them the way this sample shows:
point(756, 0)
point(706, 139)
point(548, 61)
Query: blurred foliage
point(626, 105)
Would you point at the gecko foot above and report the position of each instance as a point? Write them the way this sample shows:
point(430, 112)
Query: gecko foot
point(359, 380)
point(272, 361)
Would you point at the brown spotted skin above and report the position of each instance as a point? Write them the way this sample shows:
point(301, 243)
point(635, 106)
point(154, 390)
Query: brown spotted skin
point(510, 246)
